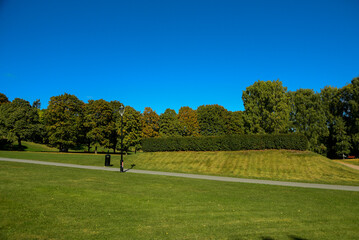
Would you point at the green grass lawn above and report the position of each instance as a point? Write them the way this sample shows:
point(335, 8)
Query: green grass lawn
point(47, 202)
point(270, 164)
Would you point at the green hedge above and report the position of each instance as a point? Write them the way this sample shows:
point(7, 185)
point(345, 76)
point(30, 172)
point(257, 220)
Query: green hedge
point(226, 143)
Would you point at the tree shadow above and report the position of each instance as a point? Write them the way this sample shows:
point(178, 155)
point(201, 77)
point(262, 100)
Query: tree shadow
point(132, 166)
point(8, 146)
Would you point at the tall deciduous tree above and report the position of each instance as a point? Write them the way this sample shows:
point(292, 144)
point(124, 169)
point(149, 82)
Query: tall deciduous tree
point(333, 106)
point(150, 123)
point(188, 122)
point(169, 123)
point(98, 121)
point(64, 121)
point(342, 139)
point(350, 98)
point(18, 120)
point(212, 120)
point(115, 127)
point(308, 117)
point(235, 124)
point(266, 106)
point(132, 127)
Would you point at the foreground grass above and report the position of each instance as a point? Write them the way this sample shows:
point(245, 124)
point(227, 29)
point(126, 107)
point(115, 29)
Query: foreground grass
point(270, 164)
point(46, 202)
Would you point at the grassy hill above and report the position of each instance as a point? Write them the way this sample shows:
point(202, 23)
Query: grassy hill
point(269, 164)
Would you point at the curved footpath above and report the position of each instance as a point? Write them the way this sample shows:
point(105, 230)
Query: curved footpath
point(349, 165)
point(195, 176)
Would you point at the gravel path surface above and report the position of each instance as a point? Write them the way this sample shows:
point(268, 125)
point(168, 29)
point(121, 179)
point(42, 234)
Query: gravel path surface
point(194, 176)
point(349, 165)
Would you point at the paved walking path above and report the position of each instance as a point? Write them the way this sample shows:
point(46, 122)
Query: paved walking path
point(195, 176)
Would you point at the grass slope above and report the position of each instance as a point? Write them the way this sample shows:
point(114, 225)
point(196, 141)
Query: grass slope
point(270, 164)
point(46, 202)
point(351, 161)
point(36, 147)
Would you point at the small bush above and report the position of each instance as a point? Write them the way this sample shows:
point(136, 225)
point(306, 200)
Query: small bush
point(226, 143)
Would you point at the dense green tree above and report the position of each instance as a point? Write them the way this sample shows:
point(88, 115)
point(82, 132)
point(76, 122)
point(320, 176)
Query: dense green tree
point(332, 103)
point(18, 120)
point(98, 121)
point(355, 116)
point(3, 99)
point(212, 120)
point(150, 123)
point(64, 121)
point(169, 124)
point(132, 129)
point(267, 108)
point(350, 99)
point(115, 127)
point(188, 122)
point(308, 117)
point(333, 107)
point(235, 123)
point(342, 140)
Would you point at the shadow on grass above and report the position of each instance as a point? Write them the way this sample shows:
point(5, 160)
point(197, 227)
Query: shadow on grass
point(132, 166)
point(10, 147)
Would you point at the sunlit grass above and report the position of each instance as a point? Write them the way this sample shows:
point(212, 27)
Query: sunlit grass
point(269, 164)
point(351, 161)
point(46, 202)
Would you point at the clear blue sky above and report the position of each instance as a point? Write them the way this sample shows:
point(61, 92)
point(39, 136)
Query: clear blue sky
point(173, 53)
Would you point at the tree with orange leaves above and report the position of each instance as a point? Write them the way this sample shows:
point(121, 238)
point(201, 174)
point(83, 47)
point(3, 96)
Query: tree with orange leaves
point(188, 121)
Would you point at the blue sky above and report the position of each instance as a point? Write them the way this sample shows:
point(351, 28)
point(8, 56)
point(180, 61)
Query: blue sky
point(168, 54)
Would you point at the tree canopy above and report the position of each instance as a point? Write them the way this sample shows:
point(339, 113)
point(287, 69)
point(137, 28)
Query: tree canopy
point(267, 108)
point(329, 119)
point(64, 121)
point(19, 121)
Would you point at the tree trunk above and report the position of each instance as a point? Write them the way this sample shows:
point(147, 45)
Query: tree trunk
point(96, 150)
point(19, 141)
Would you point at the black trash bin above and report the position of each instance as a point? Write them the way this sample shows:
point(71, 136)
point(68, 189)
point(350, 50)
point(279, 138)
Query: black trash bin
point(108, 160)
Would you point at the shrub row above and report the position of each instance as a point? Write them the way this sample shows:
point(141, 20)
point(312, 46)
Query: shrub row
point(226, 143)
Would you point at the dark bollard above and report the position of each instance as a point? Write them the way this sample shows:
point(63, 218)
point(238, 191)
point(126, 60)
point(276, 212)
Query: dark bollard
point(107, 160)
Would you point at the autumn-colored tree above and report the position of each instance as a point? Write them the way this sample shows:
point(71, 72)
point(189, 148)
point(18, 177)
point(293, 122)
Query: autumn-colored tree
point(212, 120)
point(150, 123)
point(64, 121)
point(3, 99)
point(267, 108)
point(188, 122)
point(18, 120)
point(98, 121)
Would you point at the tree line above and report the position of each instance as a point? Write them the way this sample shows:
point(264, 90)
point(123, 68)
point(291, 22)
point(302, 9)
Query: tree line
point(329, 119)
